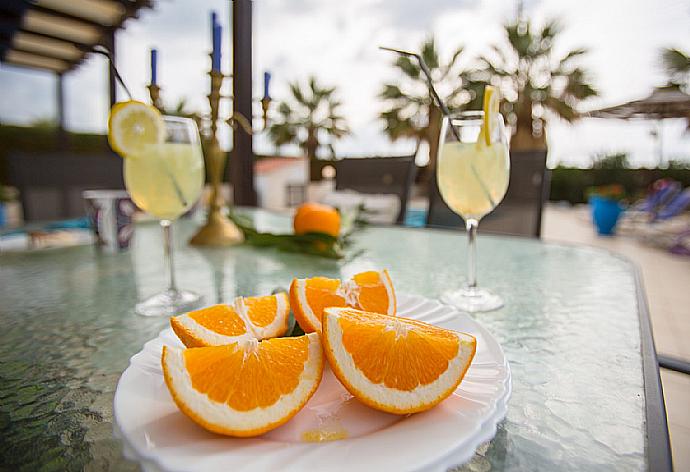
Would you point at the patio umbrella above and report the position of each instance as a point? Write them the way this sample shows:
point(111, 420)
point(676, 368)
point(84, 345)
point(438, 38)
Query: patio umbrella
point(662, 103)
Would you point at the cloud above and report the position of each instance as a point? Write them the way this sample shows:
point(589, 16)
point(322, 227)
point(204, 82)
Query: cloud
point(419, 15)
point(337, 41)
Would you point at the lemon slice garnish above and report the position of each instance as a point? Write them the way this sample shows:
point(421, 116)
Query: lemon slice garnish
point(132, 125)
point(491, 110)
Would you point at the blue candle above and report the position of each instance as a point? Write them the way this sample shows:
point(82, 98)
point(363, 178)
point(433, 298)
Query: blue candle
point(216, 34)
point(267, 81)
point(154, 67)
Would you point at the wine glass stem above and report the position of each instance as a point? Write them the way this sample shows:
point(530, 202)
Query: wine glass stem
point(168, 248)
point(471, 225)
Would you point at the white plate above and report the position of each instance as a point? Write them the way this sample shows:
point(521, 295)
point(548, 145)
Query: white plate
point(157, 435)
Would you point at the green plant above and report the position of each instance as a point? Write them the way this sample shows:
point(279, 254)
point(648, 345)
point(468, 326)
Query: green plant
point(678, 164)
point(44, 122)
point(410, 111)
point(570, 184)
point(310, 119)
point(8, 194)
point(533, 81)
point(613, 161)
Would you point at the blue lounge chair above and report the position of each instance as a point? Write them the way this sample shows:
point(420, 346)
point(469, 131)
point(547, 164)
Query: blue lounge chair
point(666, 190)
point(674, 207)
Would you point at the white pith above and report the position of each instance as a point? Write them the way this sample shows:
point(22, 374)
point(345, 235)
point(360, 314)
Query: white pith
point(211, 337)
point(398, 399)
point(302, 297)
point(389, 291)
point(279, 324)
point(222, 415)
point(349, 291)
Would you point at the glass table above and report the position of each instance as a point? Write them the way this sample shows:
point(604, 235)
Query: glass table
point(586, 391)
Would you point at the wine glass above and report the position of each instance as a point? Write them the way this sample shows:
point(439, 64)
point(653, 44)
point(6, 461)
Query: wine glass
point(165, 179)
point(473, 170)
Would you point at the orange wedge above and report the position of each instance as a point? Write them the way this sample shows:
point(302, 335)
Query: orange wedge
point(397, 365)
point(246, 388)
point(370, 291)
point(250, 317)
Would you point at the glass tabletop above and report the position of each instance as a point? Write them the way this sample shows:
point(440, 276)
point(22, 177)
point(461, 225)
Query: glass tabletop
point(570, 329)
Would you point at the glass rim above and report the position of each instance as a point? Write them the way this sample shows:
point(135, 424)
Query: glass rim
point(468, 118)
point(182, 119)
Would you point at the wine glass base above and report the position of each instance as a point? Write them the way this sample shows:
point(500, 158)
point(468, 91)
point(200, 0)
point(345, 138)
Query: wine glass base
point(169, 303)
point(472, 299)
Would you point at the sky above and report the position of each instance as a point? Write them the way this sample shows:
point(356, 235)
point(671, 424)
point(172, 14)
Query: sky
point(337, 41)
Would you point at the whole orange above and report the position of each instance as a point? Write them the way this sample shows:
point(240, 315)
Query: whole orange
point(315, 217)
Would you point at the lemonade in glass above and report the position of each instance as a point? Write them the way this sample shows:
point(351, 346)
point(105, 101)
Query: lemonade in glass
point(472, 173)
point(164, 175)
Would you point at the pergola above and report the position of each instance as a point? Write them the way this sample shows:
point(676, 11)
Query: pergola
point(57, 35)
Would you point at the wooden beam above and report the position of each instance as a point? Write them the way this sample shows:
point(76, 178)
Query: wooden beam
point(66, 16)
point(43, 54)
point(241, 165)
point(35, 61)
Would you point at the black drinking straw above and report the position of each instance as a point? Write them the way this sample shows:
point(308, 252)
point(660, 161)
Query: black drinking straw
point(104, 52)
point(444, 110)
point(430, 83)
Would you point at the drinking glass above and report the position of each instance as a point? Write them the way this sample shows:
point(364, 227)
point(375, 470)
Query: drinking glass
point(165, 179)
point(472, 174)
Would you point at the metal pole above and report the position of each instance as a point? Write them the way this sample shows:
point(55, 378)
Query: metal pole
point(109, 43)
point(241, 166)
point(60, 110)
point(660, 140)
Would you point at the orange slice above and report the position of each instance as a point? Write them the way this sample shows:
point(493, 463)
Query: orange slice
point(250, 317)
point(397, 365)
point(370, 291)
point(246, 388)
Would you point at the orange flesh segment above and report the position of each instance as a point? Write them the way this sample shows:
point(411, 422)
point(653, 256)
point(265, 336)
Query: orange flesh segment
point(398, 352)
point(320, 294)
point(373, 295)
point(248, 379)
point(261, 310)
point(221, 319)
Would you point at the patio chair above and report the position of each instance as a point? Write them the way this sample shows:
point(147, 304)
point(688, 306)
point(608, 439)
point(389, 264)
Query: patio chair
point(51, 184)
point(674, 207)
point(519, 214)
point(376, 176)
point(663, 193)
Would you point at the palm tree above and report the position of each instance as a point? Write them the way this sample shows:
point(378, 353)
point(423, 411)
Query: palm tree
point(533, 82)
point(410, 110)
point(309, 119)
point(677, 66)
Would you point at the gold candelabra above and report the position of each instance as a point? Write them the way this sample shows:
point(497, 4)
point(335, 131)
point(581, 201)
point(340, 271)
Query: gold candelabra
point(155, 94)
point(218, 230)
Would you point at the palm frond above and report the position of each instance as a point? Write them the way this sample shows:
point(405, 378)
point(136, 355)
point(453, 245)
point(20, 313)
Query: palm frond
point(311, 109)
point(430, 54)
point(561, 108)
point(675, 60)
point(408, 67)
point(391, 92)
point(448, 68)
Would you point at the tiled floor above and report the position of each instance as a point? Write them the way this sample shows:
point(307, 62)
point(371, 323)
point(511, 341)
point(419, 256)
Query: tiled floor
point(667, 282)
